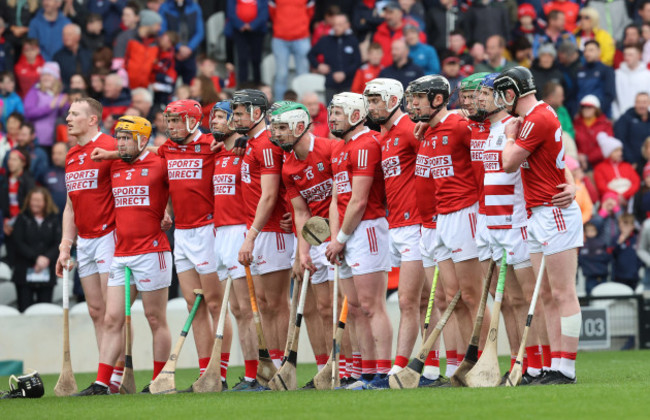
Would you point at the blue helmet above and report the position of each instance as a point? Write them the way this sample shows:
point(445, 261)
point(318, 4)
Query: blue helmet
point(224, 106)
point(488, 81)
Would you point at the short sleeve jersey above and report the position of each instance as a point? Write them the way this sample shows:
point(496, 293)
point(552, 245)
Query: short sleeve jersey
point(229, 208)
point(311, 178)
point(543, 170)
point(89, 188)
point(399, 149)
point(262, 158)
point(451, 166)
point(361, 156)
point(425, 186)
point(190, 167)
point(141, 191)
point(480, 132)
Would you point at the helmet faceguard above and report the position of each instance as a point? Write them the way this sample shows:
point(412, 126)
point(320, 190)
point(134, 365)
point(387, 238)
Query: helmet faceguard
point(251, 99)
point(467, 96)
point(348, 102)
point(25, 386)
point(486, 86)
point(385, 89)
point(284, 119)
point(220, 131)
point(132, 128)
point(518, 79)
point(432, 86)
point(179, 114)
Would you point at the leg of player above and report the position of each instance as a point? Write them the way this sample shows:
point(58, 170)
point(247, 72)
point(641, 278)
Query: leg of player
point(462, 311)
point(551, 312)
point(94, 287)
point(155, 309)
point(431, 372)
point(411, 281)
point(240, 306)
point(513, 301)
point(315, 328)
point(323, 297)
point(213, 290)
point(470, 286)
point(452, 333)
point(275, 309)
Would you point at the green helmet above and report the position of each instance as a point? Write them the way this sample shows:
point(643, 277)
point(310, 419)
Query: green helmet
point(472, 82)
point(290, 113)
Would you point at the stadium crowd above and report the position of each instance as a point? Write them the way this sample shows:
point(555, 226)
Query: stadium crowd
point(590, 60)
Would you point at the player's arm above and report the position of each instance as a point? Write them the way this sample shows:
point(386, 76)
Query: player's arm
point(98, 154)
point(302, 214)
point(68, 235)
point(334, 212)
point(564, 198)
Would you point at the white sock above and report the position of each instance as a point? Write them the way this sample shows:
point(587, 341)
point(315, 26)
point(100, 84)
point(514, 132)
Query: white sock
point(555, 363)
point(450, 370)
point(277, 363)
point(395, 369)
point(431, 372)
point(101, 383)
point(568, 368)
point(533, 372)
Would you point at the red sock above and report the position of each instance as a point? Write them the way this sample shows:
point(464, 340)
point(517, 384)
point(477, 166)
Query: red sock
point(524, 365)
point(534, 357)
point(343, 367)
point(480, 353)
point(433, 359)
point(157, 367)
point(225, 359)
point(250, 369)
point(452, 356)
point(383, 366)
point(513, 359)
point(368, 367)
point(104, 373)
point(203, 363)
point(276, 354)
point(546, 353)
point(356, 365)
point(401, 361)
point(460, 357)
point(321, 360)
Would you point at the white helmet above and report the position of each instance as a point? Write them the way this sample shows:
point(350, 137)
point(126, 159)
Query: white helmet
point(350, 102)
point(384, 88)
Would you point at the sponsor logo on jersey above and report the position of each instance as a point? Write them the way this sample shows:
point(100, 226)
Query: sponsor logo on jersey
point(476, 150)
point(320, 167)
point(82, 158)
point(423, 166)
point(445, 140)
point(407, 215)
point(391, 167)
point(155, 243)
point(136, 195)
point(185, 169)
point(342, 183)
point(296, 177)
point(197, 148)
point(491, 161)
point(71, 161)
point(396, 141)
point(442, 166)
point(245, 173)
point(318, 192)
point(224, 184)
point(236, 161)
point(81, 180)
point(145, 172)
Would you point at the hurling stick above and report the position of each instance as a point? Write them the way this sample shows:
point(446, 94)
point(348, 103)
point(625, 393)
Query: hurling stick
point(285, 378)
point(514, 377)
point(322, 380)
point(292, 320)
point(128, 380)
point(336, 350)
point(266, 369)
point(432, 297)
point(471, 355)
point(486, 372)
point(66, 385)
point(409, 377)
point(165, 382)
point(210, 381)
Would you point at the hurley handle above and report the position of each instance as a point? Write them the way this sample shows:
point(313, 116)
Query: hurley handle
point(195, 307)
point(498, 296)
point(127, 291)
point(66, 285)
point(431, 297)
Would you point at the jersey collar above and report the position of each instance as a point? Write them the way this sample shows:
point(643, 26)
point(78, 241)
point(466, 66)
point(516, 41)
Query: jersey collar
point(398, 120)
point(144, 155)
point(535, 106)
point(259, 133)
point(356, 136)
point(196, 136)
point(95, 137)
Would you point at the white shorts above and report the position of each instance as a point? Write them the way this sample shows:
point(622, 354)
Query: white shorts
point(272, 252)
point(456, 235)
point(552, 230)
point(95, 255)
point(404, 244)
point(427, 246)
point(149, 272)
point(514, 241)
point(227, 242)
point(483, 238)
point(194, 249)
point(366, 251)
point(324, 270)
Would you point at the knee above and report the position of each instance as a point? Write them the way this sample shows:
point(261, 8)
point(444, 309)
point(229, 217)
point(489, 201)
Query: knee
point(113, 321)
point(214, 307)
point(407, 303)
point(155, 321)
point(367, 309)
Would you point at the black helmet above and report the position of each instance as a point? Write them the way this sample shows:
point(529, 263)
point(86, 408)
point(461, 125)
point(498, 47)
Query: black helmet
point(26, 386)
point(251, 99)
point(519, 79)
point(432, 85)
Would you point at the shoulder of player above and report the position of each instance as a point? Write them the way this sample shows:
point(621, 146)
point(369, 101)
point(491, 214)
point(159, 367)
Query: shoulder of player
point(542, 118)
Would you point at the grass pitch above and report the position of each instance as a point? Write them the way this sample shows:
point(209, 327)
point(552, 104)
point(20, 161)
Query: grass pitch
point(611, 385)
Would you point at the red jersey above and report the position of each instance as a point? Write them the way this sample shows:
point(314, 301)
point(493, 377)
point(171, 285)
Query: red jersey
point(451, 166)
point(425, 186)
point(89, 188)
point(543, 170)
point(361, 156)
point(311, 178)
point(189, 168)
point(229, 208)
point(141, 191)
point(399, 149)
point(480, 133)
point(262, 158)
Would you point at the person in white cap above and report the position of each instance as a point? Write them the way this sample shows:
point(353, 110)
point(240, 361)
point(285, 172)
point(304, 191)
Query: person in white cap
point(613, 174)
point(588, 123)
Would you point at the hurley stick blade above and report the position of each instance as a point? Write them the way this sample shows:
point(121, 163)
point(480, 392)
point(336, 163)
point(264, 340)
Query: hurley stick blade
point(165, 382)
point(128, 380)
point(409, 377)
point(471, 355)
point(265, 369)
point(323, 379)
point(336, 350)
point(316, 230)
point(486, 372)
point(66, 385)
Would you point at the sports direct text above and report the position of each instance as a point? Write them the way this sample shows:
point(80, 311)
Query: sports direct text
point(136, 195)
point(81, 180)
point(491, 161)
point(224, 184)
point(342, 183)
point(423, 166)
point(185, 169)
point(441, 166)
point(318, 192)
point(391, 167)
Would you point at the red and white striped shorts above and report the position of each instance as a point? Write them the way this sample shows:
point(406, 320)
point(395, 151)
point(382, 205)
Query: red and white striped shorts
point(552, 230)
point(149, 272)
point(367, 250)
point(272, 252)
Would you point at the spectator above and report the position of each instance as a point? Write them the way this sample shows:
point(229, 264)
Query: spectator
point(643, 252)
point(527, 25)
point(554, 33)
point(458, 46)
point(485, 19)
point(496, 61)
point(644, 12)
point(645, 32)
point(164, 69)
point(642, 198)
point(631, 36)
point(186, 19)
point(47, 28)
point(45, 102)
point(116, 97)
point(569, 63)
point(28, 67)
point(392, 29)
point(36, 236)
point(626, 264)
point(38, 157)
point(73, 57)
point(369, 70)
point(318, 113)
point(130, 21)
point(76, 11)
point(6, 50)
point(11, 102)
point(142, 52)
point(594, 258)
point(423, 55)
point(633, 127)
point(441, 25)
point(613, 14)
point(324, 27)
point(544, 69)
point(142, 100)
point(111, 13)
point(208, 67)
point(14, 121)
point(337, 57)
point(414, 10)
point(451, 71)
point(589, 29)
point(17, 14)
point(202, 90)
point(588, 123)
point(290, 95)
point(247, 22)
point(14, 186)
point(583, 197)
point(632, 78)
point(366, 18)
point(103, 60)
point(553, 94)
point(78, 82)
point(96, 88)
point(93, 36)
point(403, 68)
point(568, 8)
point(595, 78)
point(606, 219)
point(613, 174)
point(522, 52)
